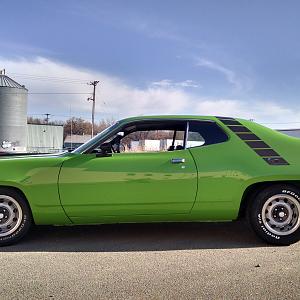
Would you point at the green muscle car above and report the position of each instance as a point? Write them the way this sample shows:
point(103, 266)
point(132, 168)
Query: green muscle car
point(160, 169)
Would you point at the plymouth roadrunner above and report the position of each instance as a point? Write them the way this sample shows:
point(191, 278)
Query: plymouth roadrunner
point(160, 169)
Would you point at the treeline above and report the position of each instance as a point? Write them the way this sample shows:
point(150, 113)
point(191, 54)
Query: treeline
point(74, 125)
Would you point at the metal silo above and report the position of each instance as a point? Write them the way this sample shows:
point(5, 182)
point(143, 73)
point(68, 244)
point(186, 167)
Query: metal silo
point(13, 115)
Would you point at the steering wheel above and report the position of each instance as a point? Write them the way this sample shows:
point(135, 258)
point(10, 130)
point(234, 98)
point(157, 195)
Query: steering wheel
point(116, 143)
point(115, 147)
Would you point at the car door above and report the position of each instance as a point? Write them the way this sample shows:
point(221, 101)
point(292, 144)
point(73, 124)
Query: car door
point(94, 188)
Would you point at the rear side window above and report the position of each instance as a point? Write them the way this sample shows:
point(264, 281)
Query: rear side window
point(204, 133)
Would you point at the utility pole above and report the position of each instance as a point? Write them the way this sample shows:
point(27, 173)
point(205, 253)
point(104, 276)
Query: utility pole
point(47, 118)
point(93, 98)
point(71, 127)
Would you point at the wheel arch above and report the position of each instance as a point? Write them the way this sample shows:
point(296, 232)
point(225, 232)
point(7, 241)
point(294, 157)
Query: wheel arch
point(255, 188)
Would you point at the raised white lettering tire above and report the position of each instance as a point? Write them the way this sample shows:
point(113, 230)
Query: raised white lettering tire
point(274, 214)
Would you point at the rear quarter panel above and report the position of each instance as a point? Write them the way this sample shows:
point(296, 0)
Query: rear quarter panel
point(226, 170)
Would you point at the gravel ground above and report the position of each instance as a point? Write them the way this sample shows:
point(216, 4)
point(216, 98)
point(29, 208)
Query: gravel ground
point(149, 261)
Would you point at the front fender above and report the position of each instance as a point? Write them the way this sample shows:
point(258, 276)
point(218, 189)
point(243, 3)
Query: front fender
point(37, 179)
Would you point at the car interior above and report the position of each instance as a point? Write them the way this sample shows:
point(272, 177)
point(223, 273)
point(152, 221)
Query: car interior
point(170, 131)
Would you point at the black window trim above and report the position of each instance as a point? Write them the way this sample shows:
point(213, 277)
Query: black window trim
point(186, 134)
point(187, 121)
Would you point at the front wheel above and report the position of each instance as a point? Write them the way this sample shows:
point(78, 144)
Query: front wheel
point(15, 217)
point(274, 214)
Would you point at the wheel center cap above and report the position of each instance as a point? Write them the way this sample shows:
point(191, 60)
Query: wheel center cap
point(281, 214)
point(1, 216)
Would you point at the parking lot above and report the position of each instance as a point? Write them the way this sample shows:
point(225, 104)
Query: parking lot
point(149, 261)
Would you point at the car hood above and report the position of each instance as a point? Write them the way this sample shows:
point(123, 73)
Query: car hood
point(10, 155)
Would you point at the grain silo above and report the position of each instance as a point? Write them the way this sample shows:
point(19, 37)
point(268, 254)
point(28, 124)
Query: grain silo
point(13, 115)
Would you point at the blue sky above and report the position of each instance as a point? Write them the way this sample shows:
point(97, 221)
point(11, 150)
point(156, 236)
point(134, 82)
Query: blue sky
point(233, 57)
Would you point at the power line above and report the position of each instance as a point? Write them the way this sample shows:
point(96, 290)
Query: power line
point(279, 123)
point(67, 93)
point(52, 80)
point(50, 77)
point(59, 117)
point(49, 93)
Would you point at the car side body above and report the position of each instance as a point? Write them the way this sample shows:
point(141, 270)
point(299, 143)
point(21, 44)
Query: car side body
point(213, 183)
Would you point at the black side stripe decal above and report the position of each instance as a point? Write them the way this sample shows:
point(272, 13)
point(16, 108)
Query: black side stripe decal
point(225, 118)
point(266, 152)
point(262, 149)
point(248, 137)
point(240, 129)
point(257, 145)
point(277, 161)
point(231, 122)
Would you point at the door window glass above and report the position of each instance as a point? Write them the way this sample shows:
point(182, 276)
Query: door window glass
point(152, 141)
point(195, 139)
point(204, 133)
point(148, 136)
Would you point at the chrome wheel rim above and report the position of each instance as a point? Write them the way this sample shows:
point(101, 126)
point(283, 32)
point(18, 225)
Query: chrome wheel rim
point(10, 215)
point(280, 214)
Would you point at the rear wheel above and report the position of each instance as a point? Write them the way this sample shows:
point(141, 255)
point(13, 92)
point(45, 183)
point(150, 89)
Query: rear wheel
point(274, 214)
point(15, 216)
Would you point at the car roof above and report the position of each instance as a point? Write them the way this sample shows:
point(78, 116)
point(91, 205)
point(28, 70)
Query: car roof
point(171, 117)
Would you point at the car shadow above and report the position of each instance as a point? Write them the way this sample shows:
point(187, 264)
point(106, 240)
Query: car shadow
point(138, 237)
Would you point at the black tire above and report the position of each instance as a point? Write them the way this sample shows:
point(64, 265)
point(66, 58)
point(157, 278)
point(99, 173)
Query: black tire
point(15, 211)
point(272, 208)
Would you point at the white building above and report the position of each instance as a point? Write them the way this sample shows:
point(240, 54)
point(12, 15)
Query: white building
point(44, 138)
point(75, 140)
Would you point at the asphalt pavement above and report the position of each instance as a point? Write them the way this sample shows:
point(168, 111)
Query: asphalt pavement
point(149, 261)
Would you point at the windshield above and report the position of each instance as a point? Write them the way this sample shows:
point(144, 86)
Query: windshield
point(95, 139)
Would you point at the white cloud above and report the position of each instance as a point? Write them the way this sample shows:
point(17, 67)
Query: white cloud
point(230, 75)
point(11, 46)
point(189, 83)
point(172, 84)
point(123, 99)
point(265, 112)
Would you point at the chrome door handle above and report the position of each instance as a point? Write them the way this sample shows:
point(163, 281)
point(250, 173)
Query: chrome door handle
point(177, 160)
